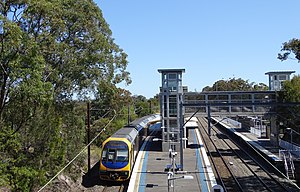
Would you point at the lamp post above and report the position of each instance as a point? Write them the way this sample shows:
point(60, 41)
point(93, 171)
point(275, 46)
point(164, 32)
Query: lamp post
point(172, 178)
point(172, 156)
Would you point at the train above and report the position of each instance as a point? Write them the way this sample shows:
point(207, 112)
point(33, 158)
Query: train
point(118, 152)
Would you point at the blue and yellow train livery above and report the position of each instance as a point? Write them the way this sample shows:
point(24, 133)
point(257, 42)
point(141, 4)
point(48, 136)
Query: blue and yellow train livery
point(120, 150)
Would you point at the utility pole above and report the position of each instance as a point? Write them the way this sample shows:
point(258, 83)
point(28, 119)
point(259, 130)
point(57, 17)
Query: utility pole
point(88, 136)
point(128, 117)
point(150, 106)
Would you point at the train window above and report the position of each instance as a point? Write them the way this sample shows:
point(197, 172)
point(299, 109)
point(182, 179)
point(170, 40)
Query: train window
point(122, 155)
point(104, 155)
point(115, 151)
point(111, 154)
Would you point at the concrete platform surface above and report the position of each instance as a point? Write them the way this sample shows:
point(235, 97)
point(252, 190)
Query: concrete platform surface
point(150, 174)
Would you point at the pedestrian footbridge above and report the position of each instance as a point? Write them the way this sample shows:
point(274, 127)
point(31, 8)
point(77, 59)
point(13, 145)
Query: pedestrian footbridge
point(229, 103)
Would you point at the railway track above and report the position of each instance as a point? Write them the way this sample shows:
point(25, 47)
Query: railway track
point(235, 168)
point(120, 188)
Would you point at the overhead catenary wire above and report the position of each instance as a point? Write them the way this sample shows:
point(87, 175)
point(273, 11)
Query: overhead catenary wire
point(80, 152)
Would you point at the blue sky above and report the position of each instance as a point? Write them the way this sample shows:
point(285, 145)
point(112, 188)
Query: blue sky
point(211, 40)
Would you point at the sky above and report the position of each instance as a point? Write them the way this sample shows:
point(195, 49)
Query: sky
point(212, 40)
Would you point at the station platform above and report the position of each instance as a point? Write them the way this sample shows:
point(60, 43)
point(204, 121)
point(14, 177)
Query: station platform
point(150, 174)
point(261, 144)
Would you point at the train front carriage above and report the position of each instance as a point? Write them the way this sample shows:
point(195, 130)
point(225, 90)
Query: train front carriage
point(120, 150)
point(117, 155)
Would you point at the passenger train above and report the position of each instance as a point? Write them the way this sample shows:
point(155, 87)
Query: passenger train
point(118, 152)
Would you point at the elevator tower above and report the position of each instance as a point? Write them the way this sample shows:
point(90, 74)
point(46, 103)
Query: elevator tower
point(171, 92)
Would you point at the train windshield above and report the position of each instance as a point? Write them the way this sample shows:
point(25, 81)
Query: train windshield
point(115, 151)
point(122, 155)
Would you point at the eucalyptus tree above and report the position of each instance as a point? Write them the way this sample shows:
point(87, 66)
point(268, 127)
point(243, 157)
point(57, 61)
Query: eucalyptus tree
point(292, 46)
point(77, 45)
point(235, 85)
point(290, 93)
point(50, 51)
point(22, 94)
point(141, 105)
point(291, 89)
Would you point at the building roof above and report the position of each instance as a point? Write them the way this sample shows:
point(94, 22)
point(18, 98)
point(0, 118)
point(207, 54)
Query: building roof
point(279, 72)
point(171, 70)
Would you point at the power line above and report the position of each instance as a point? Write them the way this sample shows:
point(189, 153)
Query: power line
point(79, 152)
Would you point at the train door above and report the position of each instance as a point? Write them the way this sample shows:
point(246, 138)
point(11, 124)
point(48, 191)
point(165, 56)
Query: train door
point(132, 159)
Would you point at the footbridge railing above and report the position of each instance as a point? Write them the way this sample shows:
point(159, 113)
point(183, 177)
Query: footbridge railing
point(229, 103)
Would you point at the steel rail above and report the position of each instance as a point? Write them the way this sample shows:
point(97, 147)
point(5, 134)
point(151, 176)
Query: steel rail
point(223, 160)
point(255, 161)
point(211, 157)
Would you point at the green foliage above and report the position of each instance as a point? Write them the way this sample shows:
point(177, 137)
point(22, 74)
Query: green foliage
point(15, 172)
point(291, 90)
point(51, 51)
point(292, 46)
point(235, 85)
point(73, 129)
point(99, 126)
point(9, 148)
point(115, 101)
point(23, 178)
point(76, 44)
point(141, 106)
point(110, 98)
point(154, 104)
point(289, 116)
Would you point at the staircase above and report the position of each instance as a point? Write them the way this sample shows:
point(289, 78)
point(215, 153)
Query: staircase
point(288, 164)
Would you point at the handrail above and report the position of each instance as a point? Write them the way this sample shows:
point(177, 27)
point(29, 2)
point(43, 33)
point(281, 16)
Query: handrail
point(292, 164)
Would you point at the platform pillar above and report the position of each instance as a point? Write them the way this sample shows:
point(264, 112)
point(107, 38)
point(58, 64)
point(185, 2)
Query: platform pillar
point(274, 131)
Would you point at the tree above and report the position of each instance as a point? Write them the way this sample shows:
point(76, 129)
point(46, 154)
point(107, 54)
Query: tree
point(50, 50)
point(110, 101)
point(154, 104)
point(235, 85)
point(141, 105)
point(291, 90)
point(76, 44)
point(292, 46)
point(290, 115)
point(22, 94)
